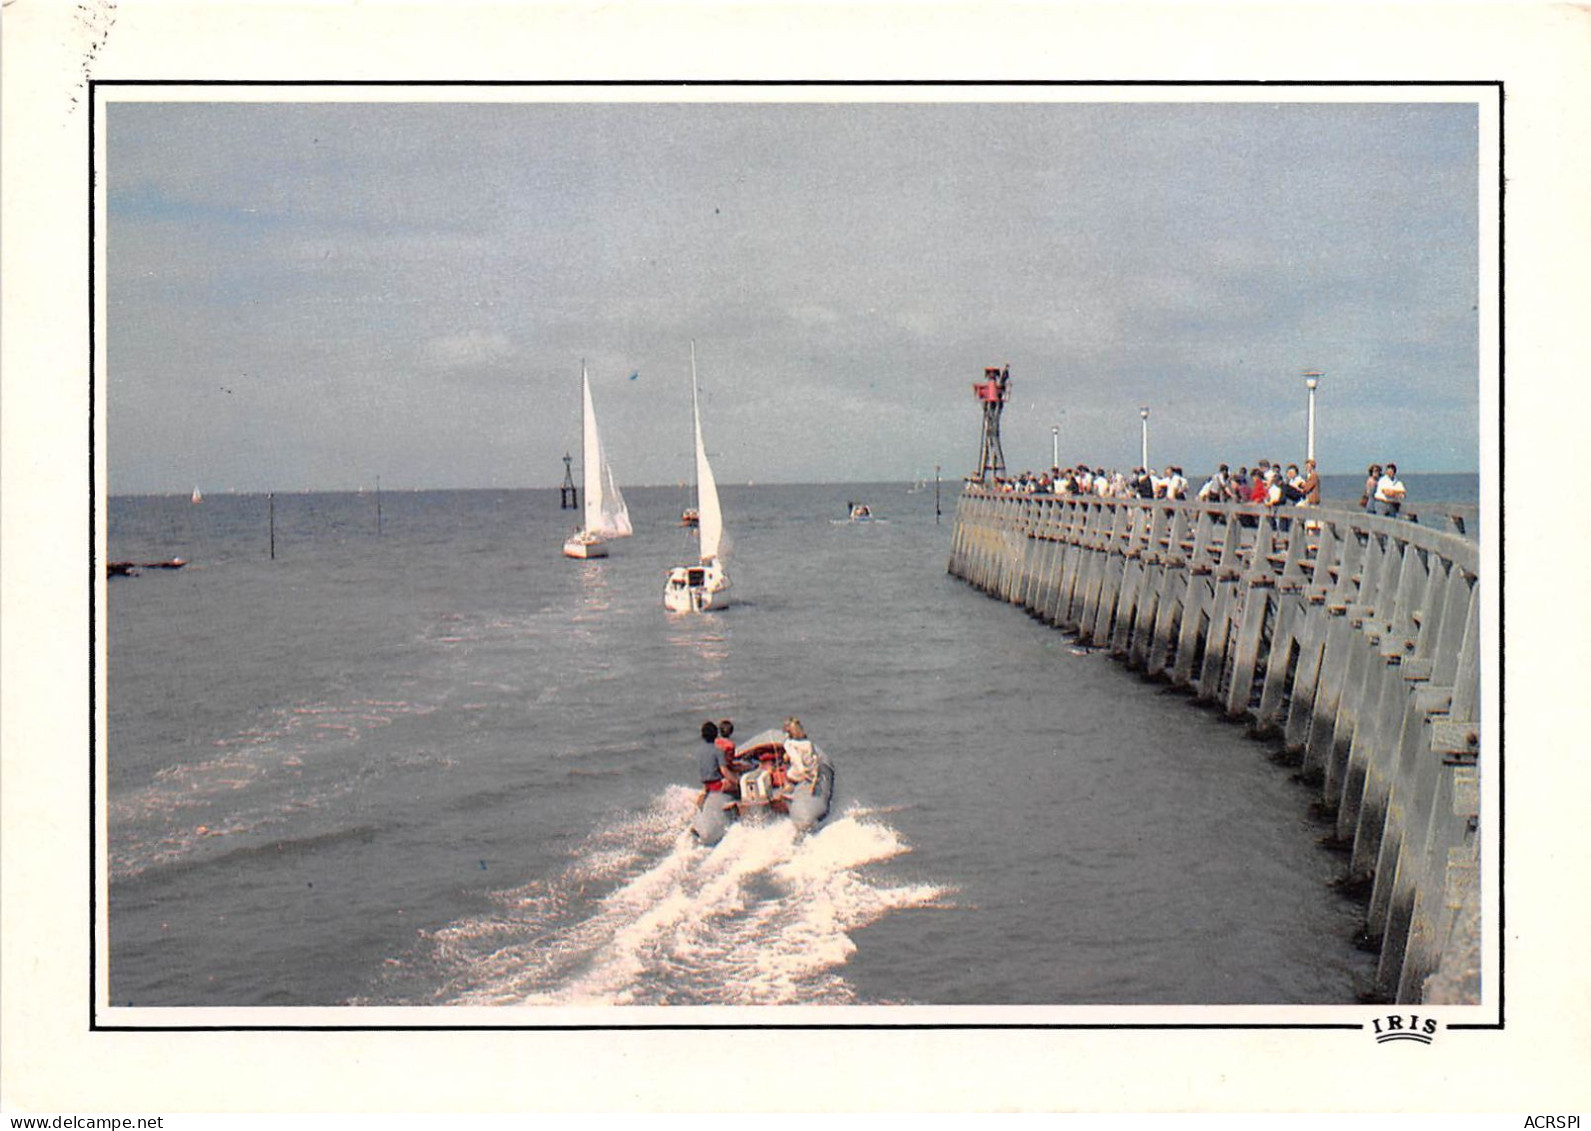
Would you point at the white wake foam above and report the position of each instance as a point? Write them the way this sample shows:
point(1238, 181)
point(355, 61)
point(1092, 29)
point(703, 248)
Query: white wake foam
point(766, 917)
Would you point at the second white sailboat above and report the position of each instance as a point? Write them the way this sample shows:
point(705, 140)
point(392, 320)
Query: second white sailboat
point(698, 587)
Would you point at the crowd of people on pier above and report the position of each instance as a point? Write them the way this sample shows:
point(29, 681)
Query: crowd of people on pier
point(1266, 483)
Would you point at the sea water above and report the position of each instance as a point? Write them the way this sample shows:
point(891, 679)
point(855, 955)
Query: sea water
point(419, 757)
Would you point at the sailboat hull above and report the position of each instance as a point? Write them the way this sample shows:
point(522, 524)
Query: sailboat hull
point(695, 589)
point(584, 548)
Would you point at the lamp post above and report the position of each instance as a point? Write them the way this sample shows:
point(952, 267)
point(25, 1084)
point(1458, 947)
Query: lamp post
point(1055, 445)
point(1144, 413)
point(1311, 380)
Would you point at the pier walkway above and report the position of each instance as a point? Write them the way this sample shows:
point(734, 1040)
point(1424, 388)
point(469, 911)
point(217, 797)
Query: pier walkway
point(1350, 641)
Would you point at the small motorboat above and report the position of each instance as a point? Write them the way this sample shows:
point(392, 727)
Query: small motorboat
point(765, 789)
point(130, 569)
point(861, 512)
point(691, 518)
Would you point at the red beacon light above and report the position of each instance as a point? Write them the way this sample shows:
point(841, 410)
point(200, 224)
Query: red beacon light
point(992, 393)
point(991, 390)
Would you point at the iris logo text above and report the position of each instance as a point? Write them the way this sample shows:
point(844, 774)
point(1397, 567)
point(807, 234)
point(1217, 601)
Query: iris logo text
point(1404, 1027)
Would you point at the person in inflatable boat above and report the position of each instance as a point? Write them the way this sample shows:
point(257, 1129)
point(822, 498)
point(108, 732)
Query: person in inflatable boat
point(715, 767)
point(801, 760)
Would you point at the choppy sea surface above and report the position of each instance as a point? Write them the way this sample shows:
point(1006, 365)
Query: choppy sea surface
point(434, 762)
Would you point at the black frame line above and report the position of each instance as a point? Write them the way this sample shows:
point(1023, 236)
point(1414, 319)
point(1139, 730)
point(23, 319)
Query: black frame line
point(94, 1023)
point(93, 590)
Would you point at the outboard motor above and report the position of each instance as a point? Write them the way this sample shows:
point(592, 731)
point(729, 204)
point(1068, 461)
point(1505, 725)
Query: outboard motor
point(756, 785)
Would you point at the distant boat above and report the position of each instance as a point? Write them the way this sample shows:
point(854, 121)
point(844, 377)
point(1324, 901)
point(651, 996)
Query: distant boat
point(130, 569)
point(861, 512)
point(691, 518)
point(696, 588)
point(198, 498)
point(606, 516)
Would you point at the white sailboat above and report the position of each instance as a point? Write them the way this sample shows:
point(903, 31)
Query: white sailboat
point(696, 588)
point(198, 498)
point(605, 515)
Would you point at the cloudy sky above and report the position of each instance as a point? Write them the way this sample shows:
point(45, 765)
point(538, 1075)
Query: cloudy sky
point(314, 295)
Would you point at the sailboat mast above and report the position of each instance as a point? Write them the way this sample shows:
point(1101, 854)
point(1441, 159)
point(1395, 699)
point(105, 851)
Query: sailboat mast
point(696, 419)
point(696, 457)
point(696, 422)
point(590, 461)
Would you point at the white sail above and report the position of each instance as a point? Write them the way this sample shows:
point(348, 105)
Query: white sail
point(710, 518)
point(605, 512)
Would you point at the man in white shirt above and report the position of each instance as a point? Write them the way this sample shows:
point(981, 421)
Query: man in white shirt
point(1389, 492)
point(1214, 489)
point(1176, 483)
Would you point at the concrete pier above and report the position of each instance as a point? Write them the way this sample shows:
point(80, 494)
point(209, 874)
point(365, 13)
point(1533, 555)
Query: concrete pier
point(1351, 642)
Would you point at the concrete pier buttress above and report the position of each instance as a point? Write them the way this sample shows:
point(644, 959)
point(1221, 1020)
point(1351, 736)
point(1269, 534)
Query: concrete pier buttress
point(1350, 641)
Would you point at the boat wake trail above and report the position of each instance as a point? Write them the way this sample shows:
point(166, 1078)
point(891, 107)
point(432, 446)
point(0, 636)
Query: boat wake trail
point(284, 780)
point(645, 916)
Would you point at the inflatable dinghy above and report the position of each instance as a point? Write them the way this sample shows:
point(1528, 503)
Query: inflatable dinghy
point(765, 788)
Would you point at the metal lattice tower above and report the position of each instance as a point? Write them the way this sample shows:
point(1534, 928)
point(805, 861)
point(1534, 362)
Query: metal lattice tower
point(566, 493)
point(992, 393)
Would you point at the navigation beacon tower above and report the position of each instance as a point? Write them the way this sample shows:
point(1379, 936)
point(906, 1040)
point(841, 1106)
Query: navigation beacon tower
point(566, 493)
point(992, 393)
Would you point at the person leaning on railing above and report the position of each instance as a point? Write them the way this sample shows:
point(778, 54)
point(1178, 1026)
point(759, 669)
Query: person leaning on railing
point(1390, 493)
point(1214, 489)
point(1368, 496)
point(1309, 485)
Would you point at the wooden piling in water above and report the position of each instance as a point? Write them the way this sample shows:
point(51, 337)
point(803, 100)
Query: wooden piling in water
point(1350, 641)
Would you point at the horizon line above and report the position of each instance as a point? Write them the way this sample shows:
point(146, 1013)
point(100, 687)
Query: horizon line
point(680, 485)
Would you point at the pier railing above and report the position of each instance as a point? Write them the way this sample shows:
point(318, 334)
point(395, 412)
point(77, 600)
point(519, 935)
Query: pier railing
point(1352, 641)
